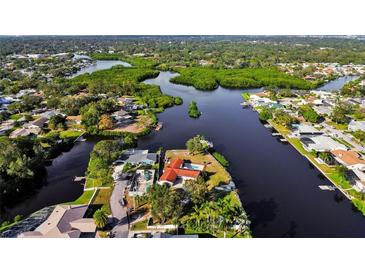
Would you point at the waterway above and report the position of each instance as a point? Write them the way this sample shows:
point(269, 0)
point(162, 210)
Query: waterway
point(278, 186)
point(337, 84)
point(100, 65)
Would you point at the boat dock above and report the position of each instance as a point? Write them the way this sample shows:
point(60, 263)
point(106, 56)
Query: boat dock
point(80, 138)
point(78, 178)
point(159, 126)
point(327, 187)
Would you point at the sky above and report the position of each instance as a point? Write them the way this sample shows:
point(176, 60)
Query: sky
point(168, 17)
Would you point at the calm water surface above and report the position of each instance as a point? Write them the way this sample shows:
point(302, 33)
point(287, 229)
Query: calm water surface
point(278, 187)
point(100, 65)
point(338, 83)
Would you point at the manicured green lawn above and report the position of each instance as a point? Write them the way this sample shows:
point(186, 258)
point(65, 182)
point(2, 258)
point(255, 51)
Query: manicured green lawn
point(70, 134)
point(142, 225)
point(338, 126)
point(83, 199)
point(102, 196)
point(16, 117)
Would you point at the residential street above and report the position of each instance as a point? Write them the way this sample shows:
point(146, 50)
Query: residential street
point(119, 212)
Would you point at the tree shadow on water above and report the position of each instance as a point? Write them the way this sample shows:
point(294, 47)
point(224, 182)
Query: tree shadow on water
point(291, 231)
point(262, 212)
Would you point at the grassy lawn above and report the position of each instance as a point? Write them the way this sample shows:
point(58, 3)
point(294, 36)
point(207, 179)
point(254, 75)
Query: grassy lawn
point(16, 117)
point(98, 182)
point(70, 134)
point(83, 199)
point(338, 126)
point(102, 196)
point(217, 172)
point(142, 225)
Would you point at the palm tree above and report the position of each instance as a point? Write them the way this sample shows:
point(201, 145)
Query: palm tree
point(100, 218)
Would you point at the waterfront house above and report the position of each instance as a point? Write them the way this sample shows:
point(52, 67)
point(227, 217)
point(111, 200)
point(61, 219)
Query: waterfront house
point(321, 143)
point(261, 101)
point(353, 161)
point(137, 156)
point(37, 124)
point(177, 171)
point(301, 130)
point(349, 158)
point(66, 221)
point(356, 125)
point(120, 115)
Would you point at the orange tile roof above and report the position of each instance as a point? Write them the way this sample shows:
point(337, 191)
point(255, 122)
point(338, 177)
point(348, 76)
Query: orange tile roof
point(173, 170)
point(188, 173)
point(350, 157)
point(168, 175)
point(177, 163)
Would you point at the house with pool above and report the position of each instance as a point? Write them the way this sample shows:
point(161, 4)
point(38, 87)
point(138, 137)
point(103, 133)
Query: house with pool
point(178, 171)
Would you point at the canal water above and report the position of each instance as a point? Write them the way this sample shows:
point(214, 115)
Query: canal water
point(278, 187)
point(337, 83)
point(100, 65)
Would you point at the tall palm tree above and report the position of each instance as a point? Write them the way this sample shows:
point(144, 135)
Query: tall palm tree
point(100, 218)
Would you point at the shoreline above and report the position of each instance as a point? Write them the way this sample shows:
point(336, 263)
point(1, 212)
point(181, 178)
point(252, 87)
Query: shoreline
point(310, 160)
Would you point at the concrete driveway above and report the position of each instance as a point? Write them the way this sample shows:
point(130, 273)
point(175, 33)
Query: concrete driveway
point(119, 212)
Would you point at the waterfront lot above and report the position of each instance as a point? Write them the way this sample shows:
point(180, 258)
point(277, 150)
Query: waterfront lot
point(217, 173)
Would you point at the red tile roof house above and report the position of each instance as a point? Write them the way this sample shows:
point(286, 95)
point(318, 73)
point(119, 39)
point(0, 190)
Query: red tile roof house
point(176, 172)
point(353, 161)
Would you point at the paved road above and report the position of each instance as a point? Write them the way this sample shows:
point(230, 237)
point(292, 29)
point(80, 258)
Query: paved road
point(119, 212)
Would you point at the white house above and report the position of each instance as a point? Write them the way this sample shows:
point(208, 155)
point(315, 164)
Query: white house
point(305, 130)
point(356, 125)
point(321, 143)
